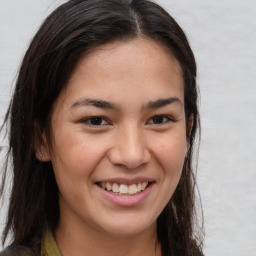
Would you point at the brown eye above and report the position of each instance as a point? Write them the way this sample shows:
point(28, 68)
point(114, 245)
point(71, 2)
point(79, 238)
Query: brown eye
point(95, 121)
point(159, 119)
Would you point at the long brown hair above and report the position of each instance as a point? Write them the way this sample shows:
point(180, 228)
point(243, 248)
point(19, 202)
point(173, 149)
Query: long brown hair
point(71, 30)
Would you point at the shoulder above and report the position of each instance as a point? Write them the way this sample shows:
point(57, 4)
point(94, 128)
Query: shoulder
point(37, 247)
point(18, 251)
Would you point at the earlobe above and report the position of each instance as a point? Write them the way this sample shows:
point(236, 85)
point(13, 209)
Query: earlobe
point(41, 145)
point(42, 155)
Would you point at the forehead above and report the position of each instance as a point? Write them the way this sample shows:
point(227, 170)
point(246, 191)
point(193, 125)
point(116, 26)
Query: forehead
point(127, 69)
point(127, 54)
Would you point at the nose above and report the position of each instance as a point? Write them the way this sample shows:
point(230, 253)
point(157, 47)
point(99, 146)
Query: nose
point(129, 148)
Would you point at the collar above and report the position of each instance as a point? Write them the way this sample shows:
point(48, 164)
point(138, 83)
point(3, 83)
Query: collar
point(49, 246)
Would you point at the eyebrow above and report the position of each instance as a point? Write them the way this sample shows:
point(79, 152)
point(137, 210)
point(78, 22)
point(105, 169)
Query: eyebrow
point(96, 103)
point(109, 105)
point(162, 102)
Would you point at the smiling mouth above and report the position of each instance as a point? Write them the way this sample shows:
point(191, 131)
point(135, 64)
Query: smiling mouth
point(123, 189)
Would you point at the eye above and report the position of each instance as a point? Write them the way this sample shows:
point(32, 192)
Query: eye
point(160, 119)
point(95, 121)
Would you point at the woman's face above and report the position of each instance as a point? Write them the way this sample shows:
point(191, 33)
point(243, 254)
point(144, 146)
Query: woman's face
point(119, 138)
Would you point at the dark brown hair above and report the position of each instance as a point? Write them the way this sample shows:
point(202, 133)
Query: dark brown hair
point(71, 30)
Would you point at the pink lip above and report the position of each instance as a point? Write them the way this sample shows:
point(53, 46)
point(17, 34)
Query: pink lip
point(126, 200)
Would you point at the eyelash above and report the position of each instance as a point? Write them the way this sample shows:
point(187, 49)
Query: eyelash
point(167, 119)
point(101, 120)
point(89, 120)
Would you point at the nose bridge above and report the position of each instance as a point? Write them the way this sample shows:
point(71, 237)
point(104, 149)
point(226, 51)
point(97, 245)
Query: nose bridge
point(130, 147)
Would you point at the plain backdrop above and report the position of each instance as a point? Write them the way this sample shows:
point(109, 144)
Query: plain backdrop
point(223, 37)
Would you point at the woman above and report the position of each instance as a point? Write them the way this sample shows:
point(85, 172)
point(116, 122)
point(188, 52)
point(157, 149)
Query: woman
point(102, 127)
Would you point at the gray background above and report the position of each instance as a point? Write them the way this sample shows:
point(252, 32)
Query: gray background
point(223, 37)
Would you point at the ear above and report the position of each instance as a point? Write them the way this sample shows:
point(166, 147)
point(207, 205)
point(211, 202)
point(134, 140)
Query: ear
point(41, 145)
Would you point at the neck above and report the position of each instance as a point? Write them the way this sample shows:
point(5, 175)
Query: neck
point(80, 241)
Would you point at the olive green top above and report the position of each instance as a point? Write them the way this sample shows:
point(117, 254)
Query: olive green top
point(48, 248)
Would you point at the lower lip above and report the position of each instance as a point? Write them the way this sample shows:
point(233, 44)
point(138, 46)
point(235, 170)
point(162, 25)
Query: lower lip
point(126, 200)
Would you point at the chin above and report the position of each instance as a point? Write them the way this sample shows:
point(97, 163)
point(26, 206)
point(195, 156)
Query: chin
point(129, 228)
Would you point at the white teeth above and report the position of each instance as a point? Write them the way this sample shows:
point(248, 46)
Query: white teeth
point(115, 188)
point(143, 185)
point(108, 186)
point(139, 187)
point(123, 188)
point(132, 189)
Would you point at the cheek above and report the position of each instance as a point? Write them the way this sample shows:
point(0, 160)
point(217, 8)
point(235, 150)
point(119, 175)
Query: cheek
point(76, 153)
point(171, 151)
point(74, 162)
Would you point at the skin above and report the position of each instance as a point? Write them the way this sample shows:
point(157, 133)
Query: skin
point(128, 142)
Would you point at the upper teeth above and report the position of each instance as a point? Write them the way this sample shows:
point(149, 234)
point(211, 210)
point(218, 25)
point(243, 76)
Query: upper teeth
point(123, 188)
